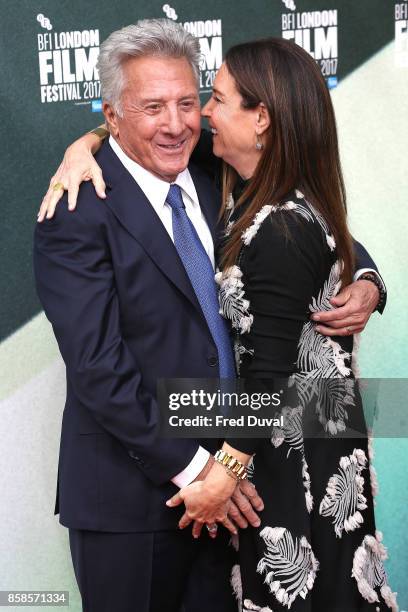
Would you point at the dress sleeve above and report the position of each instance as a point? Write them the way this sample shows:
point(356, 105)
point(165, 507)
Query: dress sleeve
point(284, 267)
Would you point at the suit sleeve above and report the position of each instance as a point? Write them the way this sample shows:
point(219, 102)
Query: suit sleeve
point(364, 262)
point(76, 286)
point(363, 258)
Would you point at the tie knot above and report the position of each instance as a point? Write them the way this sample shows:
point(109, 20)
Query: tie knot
point(174, 198)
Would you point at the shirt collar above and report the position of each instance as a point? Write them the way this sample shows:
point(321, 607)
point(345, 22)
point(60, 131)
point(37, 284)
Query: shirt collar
point(154, 188)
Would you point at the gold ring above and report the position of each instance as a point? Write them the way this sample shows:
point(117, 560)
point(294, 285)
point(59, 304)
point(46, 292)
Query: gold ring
point(349, 330)
point(58, 186)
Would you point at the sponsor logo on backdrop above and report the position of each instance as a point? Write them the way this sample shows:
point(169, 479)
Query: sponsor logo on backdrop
point(316, 32)
point(401, 34)
point(290, 4)
point(209, 33)
point(170, 12)
point(44, 21)
point(67, 64)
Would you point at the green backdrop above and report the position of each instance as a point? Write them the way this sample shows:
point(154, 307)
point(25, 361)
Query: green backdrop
point(48, 50)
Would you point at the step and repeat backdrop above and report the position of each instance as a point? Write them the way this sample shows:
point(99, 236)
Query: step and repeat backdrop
point(50, 94)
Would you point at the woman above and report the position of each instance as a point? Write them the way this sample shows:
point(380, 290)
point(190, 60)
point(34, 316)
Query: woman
point(287, 251)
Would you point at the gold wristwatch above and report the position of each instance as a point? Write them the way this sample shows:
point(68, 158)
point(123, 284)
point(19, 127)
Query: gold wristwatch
point(235, 467)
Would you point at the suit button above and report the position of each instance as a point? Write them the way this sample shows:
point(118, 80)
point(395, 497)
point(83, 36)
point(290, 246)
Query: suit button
point(212, 361)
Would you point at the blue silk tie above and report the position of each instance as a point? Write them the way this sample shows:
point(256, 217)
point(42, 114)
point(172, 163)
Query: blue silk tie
point(201, 274)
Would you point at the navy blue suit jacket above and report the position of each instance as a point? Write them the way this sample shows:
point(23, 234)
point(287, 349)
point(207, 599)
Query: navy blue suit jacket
point(124, 314)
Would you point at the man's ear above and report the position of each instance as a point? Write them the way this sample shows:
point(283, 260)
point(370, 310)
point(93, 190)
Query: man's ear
point(263, 120)
point(111, 118)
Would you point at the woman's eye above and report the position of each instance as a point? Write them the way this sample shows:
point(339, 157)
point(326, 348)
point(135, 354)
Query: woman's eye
point(216, 98)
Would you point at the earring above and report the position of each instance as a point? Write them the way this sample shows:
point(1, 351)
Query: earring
point(258, 146)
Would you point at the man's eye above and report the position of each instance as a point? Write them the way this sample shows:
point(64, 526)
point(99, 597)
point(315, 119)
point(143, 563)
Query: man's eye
point(153, 108)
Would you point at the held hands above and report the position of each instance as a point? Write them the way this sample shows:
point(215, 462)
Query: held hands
point(218, 499)
point(77, 166)
point(354, 306)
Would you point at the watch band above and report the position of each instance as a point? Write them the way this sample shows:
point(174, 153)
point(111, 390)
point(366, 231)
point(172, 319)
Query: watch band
point(237, 469)
point(369, 276)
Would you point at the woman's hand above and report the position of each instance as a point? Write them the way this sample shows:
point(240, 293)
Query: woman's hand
point(207, 501)
point(77, 166)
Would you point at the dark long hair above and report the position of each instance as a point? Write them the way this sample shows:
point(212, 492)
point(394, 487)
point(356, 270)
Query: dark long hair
point(300, 146)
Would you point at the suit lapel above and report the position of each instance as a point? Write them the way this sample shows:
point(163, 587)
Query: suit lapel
point(135, 213)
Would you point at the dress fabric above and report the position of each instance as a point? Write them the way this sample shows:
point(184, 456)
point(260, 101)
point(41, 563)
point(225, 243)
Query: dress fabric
point(317, 549)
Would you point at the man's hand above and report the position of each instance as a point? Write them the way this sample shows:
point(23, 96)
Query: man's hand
point(354, 306)
point(203, 506)
point(207, 501)
point(77, 166)
point(245, 500)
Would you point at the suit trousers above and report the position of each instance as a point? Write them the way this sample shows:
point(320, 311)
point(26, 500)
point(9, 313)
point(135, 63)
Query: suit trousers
point(163, 571)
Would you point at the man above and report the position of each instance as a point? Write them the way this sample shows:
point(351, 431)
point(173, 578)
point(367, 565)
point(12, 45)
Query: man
point(128, 307)
point(126, 312)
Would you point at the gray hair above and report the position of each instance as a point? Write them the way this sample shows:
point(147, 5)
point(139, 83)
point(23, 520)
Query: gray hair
point(149, 37)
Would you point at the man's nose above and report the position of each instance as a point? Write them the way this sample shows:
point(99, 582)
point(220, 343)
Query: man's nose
point(174, 121)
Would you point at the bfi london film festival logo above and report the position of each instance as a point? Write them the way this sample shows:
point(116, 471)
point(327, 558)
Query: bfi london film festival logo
point(209, 34)
point(67, 65)
point(401, 34)
point(316, 32)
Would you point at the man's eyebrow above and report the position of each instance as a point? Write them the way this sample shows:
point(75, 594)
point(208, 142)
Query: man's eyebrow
point(188, 96)
point(150, 100)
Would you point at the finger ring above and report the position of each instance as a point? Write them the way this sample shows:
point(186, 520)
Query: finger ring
point(212, 528)
point(58, 186)
point(349, 330)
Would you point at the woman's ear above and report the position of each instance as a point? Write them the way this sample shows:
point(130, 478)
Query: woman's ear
point(263, 119)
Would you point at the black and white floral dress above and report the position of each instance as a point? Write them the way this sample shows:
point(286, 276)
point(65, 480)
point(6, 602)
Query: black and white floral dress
point(317, 549)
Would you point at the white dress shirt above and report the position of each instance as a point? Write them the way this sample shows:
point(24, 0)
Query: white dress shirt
point(156, 190)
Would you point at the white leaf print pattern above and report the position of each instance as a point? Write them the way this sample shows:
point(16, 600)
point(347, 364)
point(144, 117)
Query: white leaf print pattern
point(233, 305)
point(249, 606)
point(369, 571)
point(289, 564)
point(319, 356)
point(252, 230)
point(344, 497)
point(236, 583)
point(333, 395)
point(292, 434)
point(249, 234)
